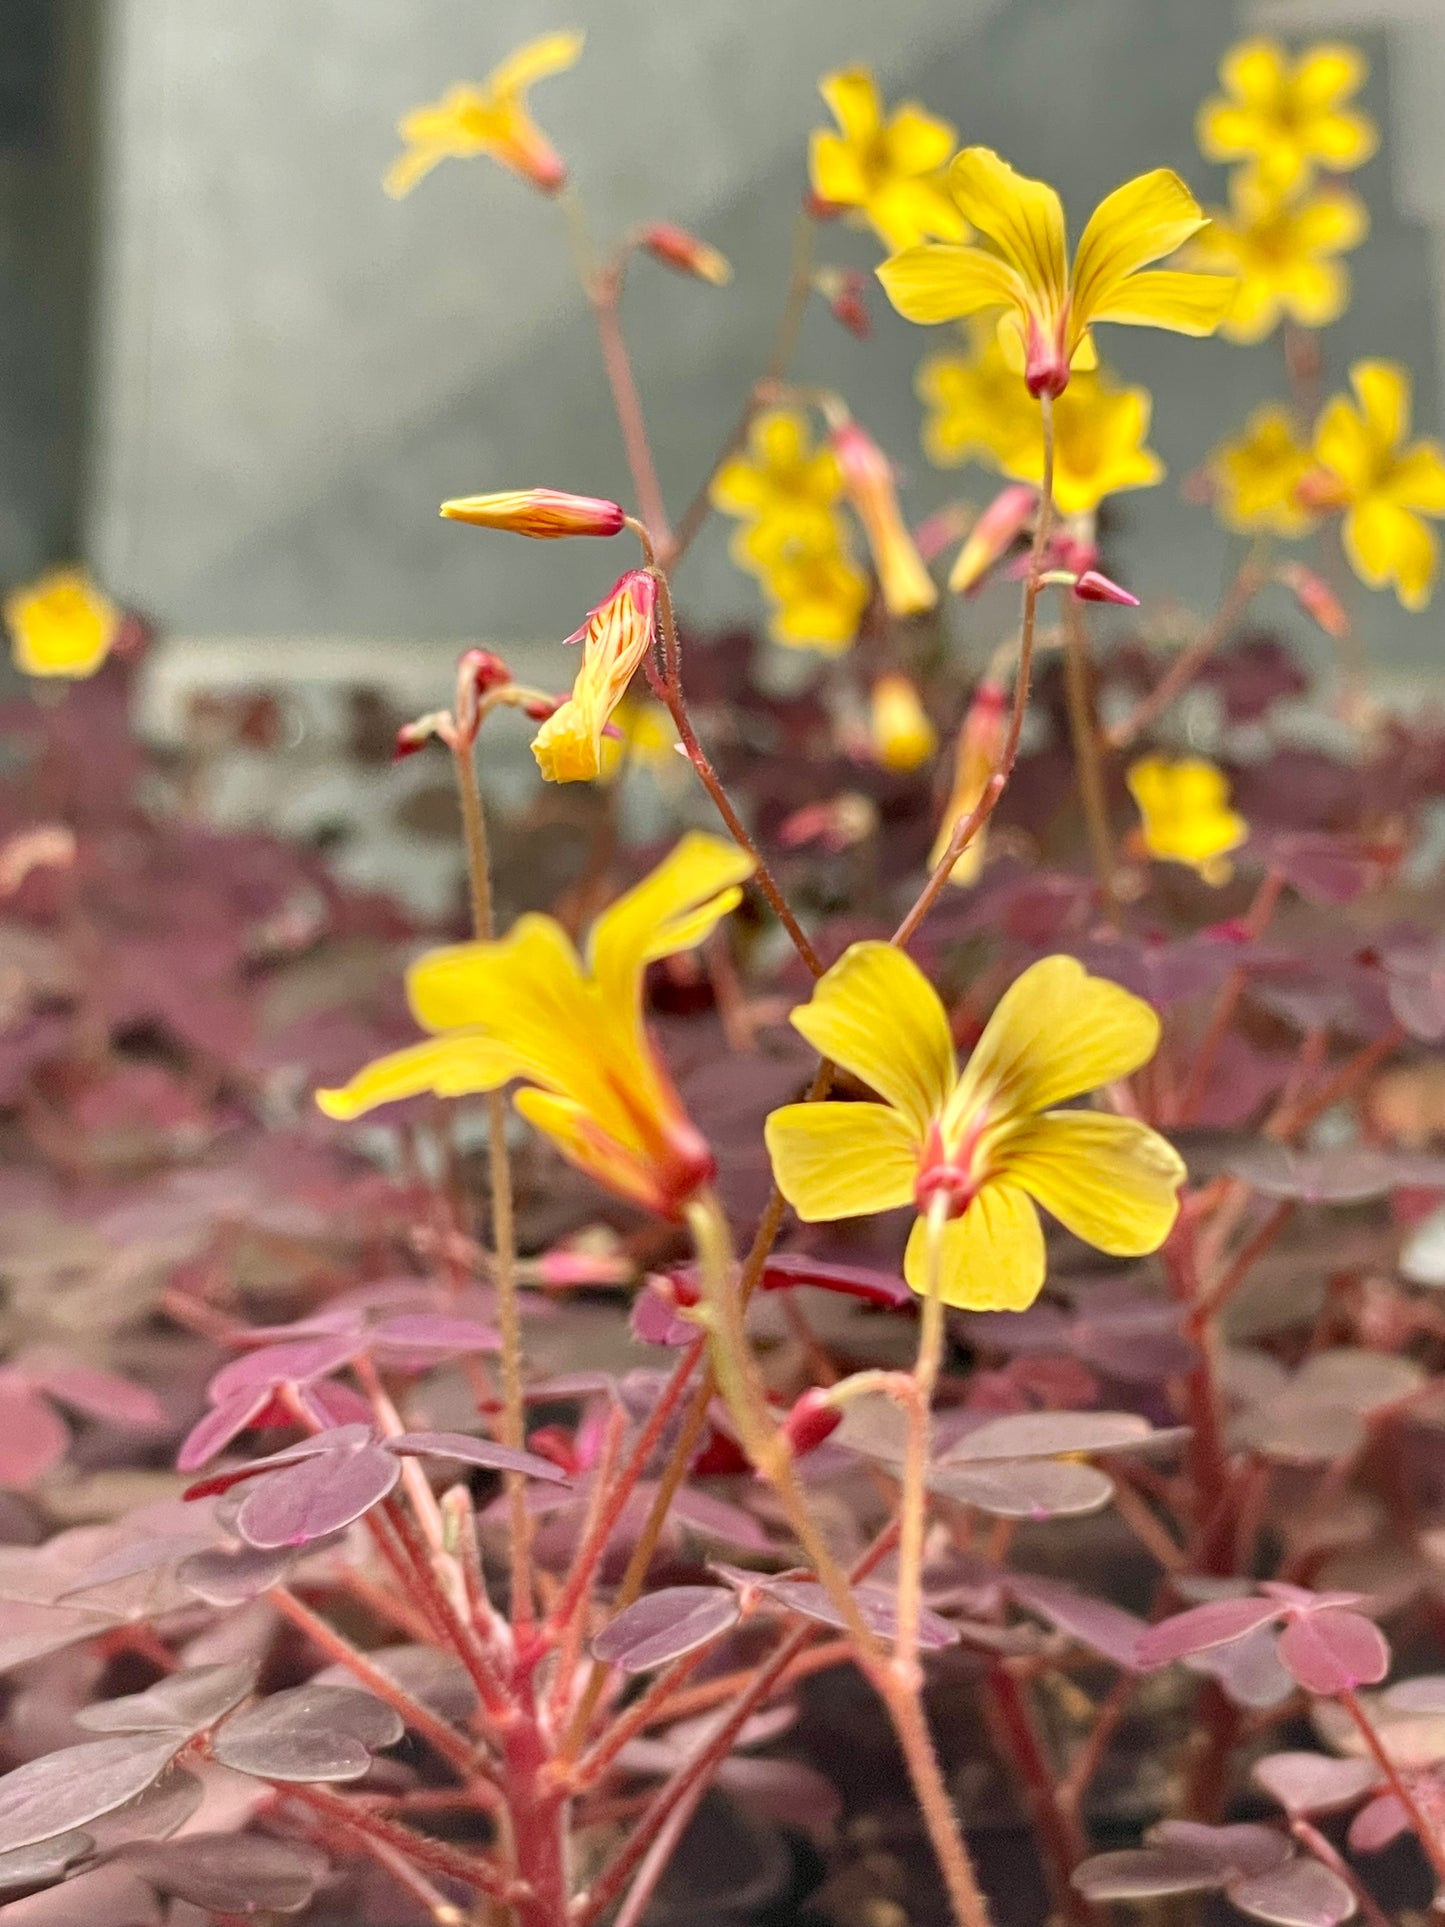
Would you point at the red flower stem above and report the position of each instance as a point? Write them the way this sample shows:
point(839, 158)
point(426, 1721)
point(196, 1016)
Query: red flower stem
point(648, 1709)
point(1088, 762)
point(1108, 1717)
point(444, 1739)
point(1316, 1845)
point(1249, 579)
point(1055, 1821)
point(504, 1233)
point(566, 1621)
point(790, 322)
point(1248, 1256)
point(417, 1849)
point(604, 291)
point(821, 1658)
point(1287, 1123)
point(1256, 922)
point(967, 827)
point(1430, 1841)
point(460, 1636)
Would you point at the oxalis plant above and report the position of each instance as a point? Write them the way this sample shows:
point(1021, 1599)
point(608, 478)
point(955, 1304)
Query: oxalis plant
point(480, 1638)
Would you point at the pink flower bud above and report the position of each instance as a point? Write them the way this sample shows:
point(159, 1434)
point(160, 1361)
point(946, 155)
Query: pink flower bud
point(992, 536)
point(563, 1269)
point(678, 249)
point(1316, 598)
point(414, 736)
point(811, 1421)
point(1093, 587)
point(484, 670)
point(543, 513)
point(843, 290)
point(905, 583)
point(539, 708)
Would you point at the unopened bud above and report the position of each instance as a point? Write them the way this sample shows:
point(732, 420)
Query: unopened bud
point(837, 824)
point(543, 513)
point(976, 758)
point(901, 736)
point(817, 209)
point(414, 736)
point(1093, 587)
point(484, 670)
point(566, 1268)
point(678, 249)
point(906, 585)
point(992, 536)
point(1316, 598)
point(842, 289)
point(811, 1420)
point(539, 708)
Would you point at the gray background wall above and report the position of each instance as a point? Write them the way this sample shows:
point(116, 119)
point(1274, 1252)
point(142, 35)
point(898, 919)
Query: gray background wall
point(293, 371)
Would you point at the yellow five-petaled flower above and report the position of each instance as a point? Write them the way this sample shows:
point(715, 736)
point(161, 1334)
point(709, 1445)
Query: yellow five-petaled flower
point(1185, 812)
point(1283, 256)
point(1257, 476)
point(491, 119)
point(887, 171)
point(985, 1137)
point(1284, 118)
point(571, 1028)
point(1385, 485)
point(61, 625)
point(1049, 309)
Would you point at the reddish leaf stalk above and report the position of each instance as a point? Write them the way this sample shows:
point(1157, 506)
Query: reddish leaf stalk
point(1060, 1835)
point(1431, 1843)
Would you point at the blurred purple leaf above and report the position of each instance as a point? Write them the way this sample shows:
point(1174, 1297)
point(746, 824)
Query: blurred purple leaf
point(62, 1791)
point(466, 1450)
point(662, 1626)
point(230, 1575)
point(1249, 1670)
point(1302, 1893)
point(1415, 986)
point(163, 1809)
point(1042, 1435)
point(1334, 1651)
point(289, 1364)
point(1195, 1631)
point(1024, 1488)
point(1344, 1174)
point(340, 1438)
point(99, 1395)
point(318, 1495)
point(32, 1437)
point(185, 1702)
point(224, 1422)
point(1104, 1628)
point(42, 1864)
point(412, 1339)
point(1306, 1783)
point(231, 1873)
point(308, 1733)
point(436, 1679)
point(147, 1555)
point(1327, 867)
point(877, 1604)
point(1375, 1826)
point(1425, 1694)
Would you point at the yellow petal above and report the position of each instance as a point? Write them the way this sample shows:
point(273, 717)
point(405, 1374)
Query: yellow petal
point(1057, 1032)
point(1384, 391)
point(1140, 222)
point(1388, 544)
point(1254, 70)
point(1342, 139)
point(569, 1126)
point(1328, 71)
point(938, 281)
point(453, 1066)
point(917, 142)
point(841, 1160)
point(1023, 218)
point(852, 98)
point(1417, 480)
point(1186, 304)
point(672, 909)
point(551, 53)
point(905, 212)
point(993, 1256)
point(1331, 223)
point(1343, 444)
point(1318, 293)
point(568, 746)
point(877, 1015)
point(1225, 131)
point(1110, 1180)
point(409, 169)
point(835, 169)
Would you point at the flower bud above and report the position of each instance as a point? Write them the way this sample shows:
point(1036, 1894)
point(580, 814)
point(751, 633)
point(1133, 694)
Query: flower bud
point(1316, 598)
point(905, 583)
point(900, 734)
point(615, 638)
point(980, 744)
point(483, 670)
point(837, 823)
point(1093, 587)
point(675, 248)
point(811, 1420)
point(842, 289)
point(416, 735)
point(543, 513)
point(992, 536)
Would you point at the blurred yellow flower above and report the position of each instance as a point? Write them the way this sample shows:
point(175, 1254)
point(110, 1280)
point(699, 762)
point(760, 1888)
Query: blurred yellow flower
point(1024, 269)
point(1256, 477)
point(615, 638)
point(784, 479)
point(1186, 815)
point(1284, 118)
point(61, 625)
point(985, 1138)
point(975, 758)
point(817, 591)
point(975, 405)
point(901, 736)
point(571, 1028)
point(890, 172)
point(491, 119)
point(1384, 484)
point(645, 738)
point(904, 582)
point(1282, 253)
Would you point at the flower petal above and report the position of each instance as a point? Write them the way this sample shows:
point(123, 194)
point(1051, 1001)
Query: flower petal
point(1388, 544)
point(877, 1015)
point(1342, 444)
point(454, 1066)
point(940, 282)
point(579, 1140)
point(842, 1160)
point(1023, 218)
point(1253, 70)
point(1384, 391)
point(1187, 304)
point(1417, 480)
point(673, 909)
point(852, 98)
point(1326, 72)
point(1110, 1180)
point(1140, 222)
point(916, 141)
point(551, 53)
point(1056, 1033)
point(457, 985)
point(993, 1256)
point(835, 169)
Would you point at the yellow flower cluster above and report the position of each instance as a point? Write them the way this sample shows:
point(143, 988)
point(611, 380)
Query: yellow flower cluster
point(61, 625)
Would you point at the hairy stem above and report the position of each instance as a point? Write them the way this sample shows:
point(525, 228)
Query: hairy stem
point(1088, 763)
point(913, 1504)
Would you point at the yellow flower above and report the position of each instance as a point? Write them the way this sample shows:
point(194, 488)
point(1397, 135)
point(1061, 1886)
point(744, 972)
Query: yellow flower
point(546, 514)
point(889, 171)
point(783, 480)
point(1186, 813)
point(1257, 476)
point(975, 757)
point(646, 738)
point(985, 1137)
point(1286, 117)
point(571, 1028)
point(615, 638)
point(976, 408)
point(1282, 255)
point(1048, 310)
point(61, 625)
point(901, 735)
point(1384, 484)
point(818, 592)
point(491, 119)
point(906, 586)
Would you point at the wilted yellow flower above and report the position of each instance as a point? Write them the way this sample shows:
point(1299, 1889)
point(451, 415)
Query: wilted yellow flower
point(975, 757)
point(61, 625)
point(491, 119)
point(1049, 310)
point(1257, 476)
point(986, 1137)
point(571, 1028)
point(1282, 254)
point(784, 480)
point(1186, 815)
point(1384, 484)
point(818, 592)
point(906, 586)
point(615, 638)
point(1283, 117)
point(899, 731)
point(890, 171)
